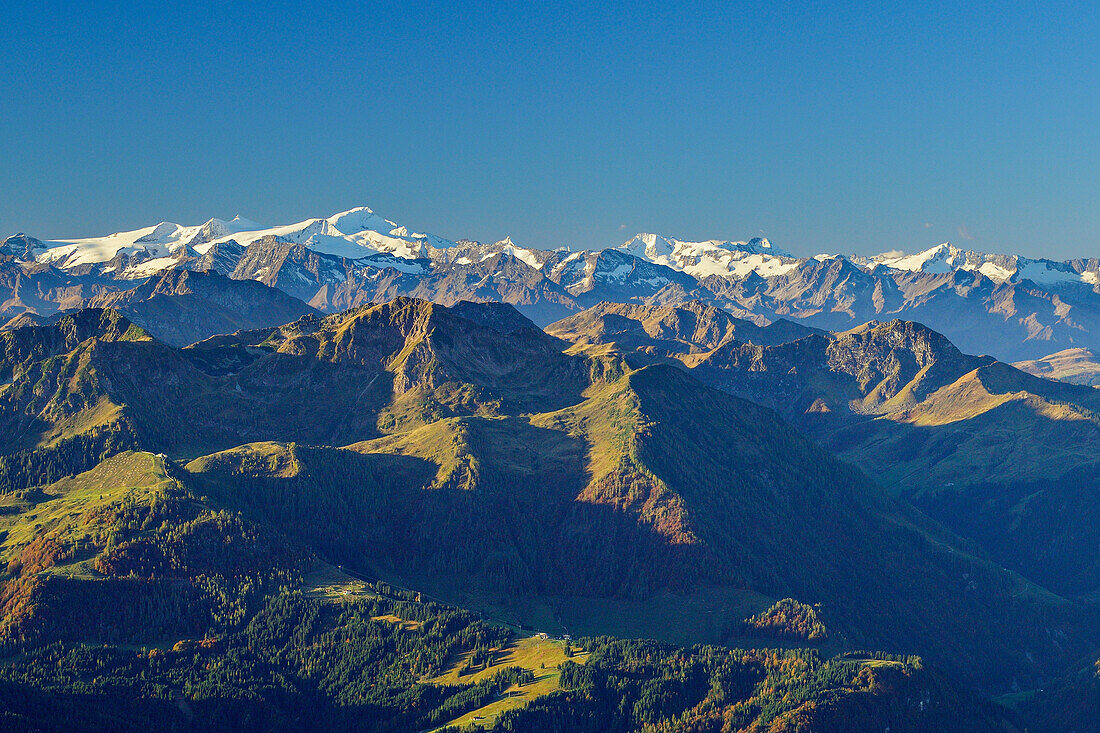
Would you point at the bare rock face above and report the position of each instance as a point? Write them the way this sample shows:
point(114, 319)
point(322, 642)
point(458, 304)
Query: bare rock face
point(20, 246)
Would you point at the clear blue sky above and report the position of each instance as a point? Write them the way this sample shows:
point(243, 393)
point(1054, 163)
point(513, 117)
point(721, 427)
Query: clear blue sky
point(851, 127)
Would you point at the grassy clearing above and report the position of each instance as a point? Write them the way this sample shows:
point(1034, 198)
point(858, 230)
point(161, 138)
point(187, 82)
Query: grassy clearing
point(541, 656)
point(445, 443)
point(868, 662)
point(398, 621)
point(274, 459)
point(330, 583)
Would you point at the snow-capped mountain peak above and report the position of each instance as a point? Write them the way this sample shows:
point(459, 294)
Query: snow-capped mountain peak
point(162, 233)
point(360, 219)
point(940, 258)
point(711, 257)
point(947, 258)
point(360, 233)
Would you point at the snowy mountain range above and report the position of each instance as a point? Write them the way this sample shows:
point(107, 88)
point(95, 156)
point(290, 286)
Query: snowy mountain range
point(1011, 306)
point(361, 234)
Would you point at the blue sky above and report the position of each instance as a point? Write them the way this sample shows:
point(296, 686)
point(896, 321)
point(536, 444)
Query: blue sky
point(850, 127)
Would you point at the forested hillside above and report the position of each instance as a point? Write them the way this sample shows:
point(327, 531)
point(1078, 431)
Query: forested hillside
point(129, 601)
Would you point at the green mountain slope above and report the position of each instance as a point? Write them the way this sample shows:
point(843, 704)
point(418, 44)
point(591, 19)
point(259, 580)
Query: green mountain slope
point(654, 487)
point(998, 455)
point(1076, 366)
point(93, 383)
point(128, 600)
point(135, 552)
point(461, 452)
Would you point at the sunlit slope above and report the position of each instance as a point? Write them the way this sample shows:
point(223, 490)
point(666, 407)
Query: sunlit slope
point(1076, 366)
point(652, 487)
point(92, 384)
point(125, 553)
point(999, 455)
point(692, 327)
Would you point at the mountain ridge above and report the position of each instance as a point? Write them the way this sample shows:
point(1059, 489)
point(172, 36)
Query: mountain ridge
point(998, 455)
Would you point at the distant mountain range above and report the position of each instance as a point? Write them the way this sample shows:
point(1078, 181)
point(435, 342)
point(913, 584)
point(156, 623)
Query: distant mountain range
point(1012, 307)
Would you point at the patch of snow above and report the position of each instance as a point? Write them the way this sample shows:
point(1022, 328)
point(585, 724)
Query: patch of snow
point(763, 265)
point(401, 264)
point(619, 273)
point(526, 256)
point(149, 267)
point(994, 271)
point(1045, 272)
point(568, 267)
point(338, 246)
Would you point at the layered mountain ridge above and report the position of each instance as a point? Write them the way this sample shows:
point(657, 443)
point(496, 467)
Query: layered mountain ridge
point(659, 471)
point(1002, 456)
point(1013, 307)
point(465, 451)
